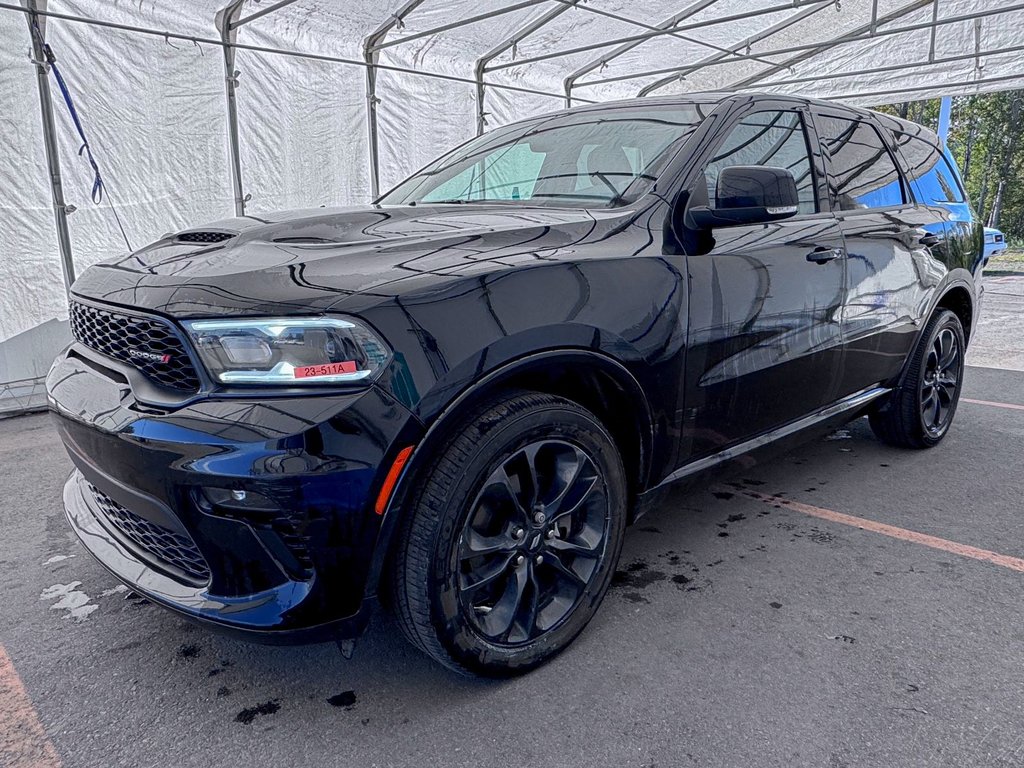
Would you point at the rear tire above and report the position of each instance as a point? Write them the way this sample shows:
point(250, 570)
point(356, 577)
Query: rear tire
point(919, 413)
point(512, 538)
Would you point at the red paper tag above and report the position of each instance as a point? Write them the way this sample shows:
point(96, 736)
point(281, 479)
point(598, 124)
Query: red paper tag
point(327, 369)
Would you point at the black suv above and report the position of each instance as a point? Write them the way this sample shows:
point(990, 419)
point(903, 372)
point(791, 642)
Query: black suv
point(458, 397)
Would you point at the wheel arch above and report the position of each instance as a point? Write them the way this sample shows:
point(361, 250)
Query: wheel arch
point(957, 294)
point(960, 301)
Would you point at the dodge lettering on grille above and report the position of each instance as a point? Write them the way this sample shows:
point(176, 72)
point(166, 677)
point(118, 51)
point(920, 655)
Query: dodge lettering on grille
point(153, 357)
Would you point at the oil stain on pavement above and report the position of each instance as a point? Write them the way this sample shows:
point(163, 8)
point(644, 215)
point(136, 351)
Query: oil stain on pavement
point(346, 699)
point(247, 715)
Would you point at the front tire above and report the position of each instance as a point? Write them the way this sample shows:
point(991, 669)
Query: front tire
point(512, 539)
point(920, 411)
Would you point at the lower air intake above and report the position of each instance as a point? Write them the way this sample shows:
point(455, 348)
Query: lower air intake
point(176, 552)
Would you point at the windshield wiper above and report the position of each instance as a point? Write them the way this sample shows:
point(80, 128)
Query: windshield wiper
point(491, 201)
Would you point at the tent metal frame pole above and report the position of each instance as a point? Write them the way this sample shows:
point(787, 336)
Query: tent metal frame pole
point(658, 28)
point(371, 58)
point(892, 67)
point(217, 42)
point(261, 13)
point(931, 87)
point(602, 61)
point(479, 67)
point(945, 114)
point(455, 24)
point(227, 25)
point(37, 21)
point(931, 42)
point(886, 19)
point(679, 74)
point(663, 32)
point(974, 15)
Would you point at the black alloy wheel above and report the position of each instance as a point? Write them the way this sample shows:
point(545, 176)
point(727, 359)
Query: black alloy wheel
point(532, 541)
point(512, 537)
point(920, 410)
point(940, 382)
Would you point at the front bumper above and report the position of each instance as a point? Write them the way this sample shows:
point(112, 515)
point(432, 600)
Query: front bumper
point(251, 515)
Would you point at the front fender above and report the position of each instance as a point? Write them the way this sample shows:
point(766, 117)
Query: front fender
point(510, 353)
point(630, 308)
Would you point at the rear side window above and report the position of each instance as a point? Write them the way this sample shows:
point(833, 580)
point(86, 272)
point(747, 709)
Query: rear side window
point(929, 171)
point(863, 173)
point(772, 139)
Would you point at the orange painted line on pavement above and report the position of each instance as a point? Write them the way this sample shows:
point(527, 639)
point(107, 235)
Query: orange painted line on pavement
point(945, 545)
point(23, 741)
point(1011, 406)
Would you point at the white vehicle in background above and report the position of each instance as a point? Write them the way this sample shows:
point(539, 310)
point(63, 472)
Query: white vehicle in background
point(995, 242)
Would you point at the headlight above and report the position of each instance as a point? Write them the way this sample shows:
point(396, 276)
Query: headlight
point(288, 351)
point(989, 239)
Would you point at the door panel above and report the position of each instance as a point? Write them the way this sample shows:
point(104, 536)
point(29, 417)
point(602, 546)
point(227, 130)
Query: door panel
point(765, 343)
point(764, 339)
point(890, 273)
point(887, 237)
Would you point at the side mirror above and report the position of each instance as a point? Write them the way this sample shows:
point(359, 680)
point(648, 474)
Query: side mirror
point(748, 194)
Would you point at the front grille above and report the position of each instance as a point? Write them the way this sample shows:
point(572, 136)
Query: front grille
point(999, 238)
point(151, 345)
point(175, 550)
point(203, 237)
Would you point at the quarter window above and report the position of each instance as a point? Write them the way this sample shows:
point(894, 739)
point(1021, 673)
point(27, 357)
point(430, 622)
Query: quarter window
point(863, 173)
point(929, 171)
point(772, 139)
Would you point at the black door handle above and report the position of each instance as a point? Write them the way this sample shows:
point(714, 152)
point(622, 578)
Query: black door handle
point(821, 254)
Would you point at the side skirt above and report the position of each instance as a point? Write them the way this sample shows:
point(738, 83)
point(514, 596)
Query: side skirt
point(845, 407)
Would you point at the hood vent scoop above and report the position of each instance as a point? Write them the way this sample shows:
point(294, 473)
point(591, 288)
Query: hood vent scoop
point(204, 237)
point(305, 241)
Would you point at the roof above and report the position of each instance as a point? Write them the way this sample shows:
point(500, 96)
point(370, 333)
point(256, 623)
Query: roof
point(717, 97)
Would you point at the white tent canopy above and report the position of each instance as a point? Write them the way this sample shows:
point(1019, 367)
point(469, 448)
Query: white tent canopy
point(327, 97)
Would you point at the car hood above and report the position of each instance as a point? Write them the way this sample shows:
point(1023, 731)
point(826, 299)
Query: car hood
point(316, 260)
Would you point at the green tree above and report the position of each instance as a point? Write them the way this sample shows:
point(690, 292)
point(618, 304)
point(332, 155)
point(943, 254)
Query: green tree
point(986, 137)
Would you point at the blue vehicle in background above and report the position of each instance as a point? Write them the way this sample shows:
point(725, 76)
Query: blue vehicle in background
point(995, 242)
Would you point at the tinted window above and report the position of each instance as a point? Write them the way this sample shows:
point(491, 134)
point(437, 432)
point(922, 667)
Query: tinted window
point(929, 171)
point(592, 158)
point(773, 139)
point(863, 173)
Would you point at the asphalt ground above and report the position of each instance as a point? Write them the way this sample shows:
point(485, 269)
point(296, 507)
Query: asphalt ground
point(751, 624)
point(1000, 333)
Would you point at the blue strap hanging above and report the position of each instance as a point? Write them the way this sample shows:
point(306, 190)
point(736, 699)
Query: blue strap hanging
point(98, 187)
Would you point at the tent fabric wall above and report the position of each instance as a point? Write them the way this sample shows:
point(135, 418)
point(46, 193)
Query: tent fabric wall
point(302, 133)
point(31, 286)
point(154, 116)
point(154, 107)
point(31, 282)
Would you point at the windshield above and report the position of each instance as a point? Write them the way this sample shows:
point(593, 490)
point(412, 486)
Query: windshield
point(587, 159)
